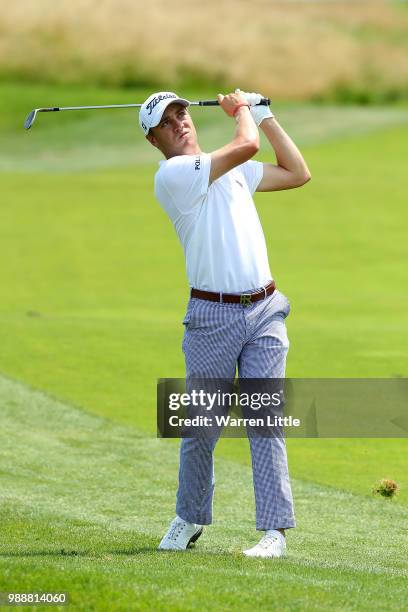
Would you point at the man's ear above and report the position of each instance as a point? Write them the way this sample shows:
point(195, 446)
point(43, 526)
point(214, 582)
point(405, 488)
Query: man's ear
point(152, 140)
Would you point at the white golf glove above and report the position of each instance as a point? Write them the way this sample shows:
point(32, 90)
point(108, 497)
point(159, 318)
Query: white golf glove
point(259, 113)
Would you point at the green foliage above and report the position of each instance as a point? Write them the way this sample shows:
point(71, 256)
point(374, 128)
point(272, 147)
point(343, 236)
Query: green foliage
point(370, 94)
point(386, 488)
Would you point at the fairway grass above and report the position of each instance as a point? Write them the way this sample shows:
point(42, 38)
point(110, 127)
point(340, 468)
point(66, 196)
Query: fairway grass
point(84, 503)
point(86, 141)
point(92, 298)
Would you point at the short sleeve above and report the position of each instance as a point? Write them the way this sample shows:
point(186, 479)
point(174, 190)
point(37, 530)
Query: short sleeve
point(253, 173)
point(186, 180)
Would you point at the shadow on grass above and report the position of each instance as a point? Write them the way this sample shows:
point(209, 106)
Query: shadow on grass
point(46, 553)
point(131, 552)
point(79, 553)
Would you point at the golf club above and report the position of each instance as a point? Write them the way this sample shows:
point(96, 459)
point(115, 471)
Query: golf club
point(31, 117)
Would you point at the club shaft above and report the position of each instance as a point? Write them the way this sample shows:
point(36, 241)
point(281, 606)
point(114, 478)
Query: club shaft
point(65, 108)
point(31, 117)
point(264, 102)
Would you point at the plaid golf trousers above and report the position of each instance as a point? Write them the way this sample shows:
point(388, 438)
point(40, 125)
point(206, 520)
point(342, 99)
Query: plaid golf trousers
point(218, 338)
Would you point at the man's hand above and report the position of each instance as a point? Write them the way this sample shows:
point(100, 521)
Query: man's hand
point(259, 113)
point(245, 143)
point(232, 102)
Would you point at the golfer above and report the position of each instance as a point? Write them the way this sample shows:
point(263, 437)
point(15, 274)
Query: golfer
point(235, 316)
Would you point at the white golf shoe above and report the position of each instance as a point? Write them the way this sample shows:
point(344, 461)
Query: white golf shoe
point(180, 535)
point(272, 544)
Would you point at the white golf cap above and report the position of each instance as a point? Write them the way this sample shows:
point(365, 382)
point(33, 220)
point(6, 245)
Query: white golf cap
point(153, 108)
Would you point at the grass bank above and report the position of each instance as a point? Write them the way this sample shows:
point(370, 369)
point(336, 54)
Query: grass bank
point(288, 50)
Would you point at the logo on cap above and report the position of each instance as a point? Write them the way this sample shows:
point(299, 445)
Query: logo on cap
point(154, 102)
point(153, 108)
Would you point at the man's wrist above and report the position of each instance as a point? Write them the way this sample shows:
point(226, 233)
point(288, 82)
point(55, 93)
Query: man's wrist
point(238, 108)
point(241, 113)
point(269, 120)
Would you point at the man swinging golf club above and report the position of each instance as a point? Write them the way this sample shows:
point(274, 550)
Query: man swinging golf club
point(235, 316)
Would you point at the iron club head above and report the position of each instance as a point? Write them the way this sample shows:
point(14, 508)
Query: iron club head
point(30, 119)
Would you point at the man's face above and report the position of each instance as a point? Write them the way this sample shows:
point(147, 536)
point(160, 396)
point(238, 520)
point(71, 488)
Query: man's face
point(175, 134)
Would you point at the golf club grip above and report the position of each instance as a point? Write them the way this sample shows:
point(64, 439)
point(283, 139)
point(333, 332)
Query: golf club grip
point(263, 102)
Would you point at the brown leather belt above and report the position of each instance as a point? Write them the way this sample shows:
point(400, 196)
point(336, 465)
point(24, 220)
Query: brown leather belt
point(245, 299)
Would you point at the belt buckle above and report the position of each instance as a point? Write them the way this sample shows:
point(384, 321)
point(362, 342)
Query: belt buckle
point(245, 299)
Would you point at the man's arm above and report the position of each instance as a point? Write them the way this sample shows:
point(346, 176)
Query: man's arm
point(291, 169)
point(246, 139)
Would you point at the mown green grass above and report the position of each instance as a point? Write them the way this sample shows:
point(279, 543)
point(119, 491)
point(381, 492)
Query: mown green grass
point(94, 140)
point(84, 501)
point(92, 296)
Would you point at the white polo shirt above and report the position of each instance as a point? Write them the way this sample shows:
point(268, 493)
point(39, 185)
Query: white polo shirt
point(218, 225)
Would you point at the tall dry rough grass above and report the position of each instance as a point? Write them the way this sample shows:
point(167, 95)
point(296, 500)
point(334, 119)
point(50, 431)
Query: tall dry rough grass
point(288, 49)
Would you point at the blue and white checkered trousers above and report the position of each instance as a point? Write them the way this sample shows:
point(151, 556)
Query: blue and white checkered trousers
point(218, 338)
